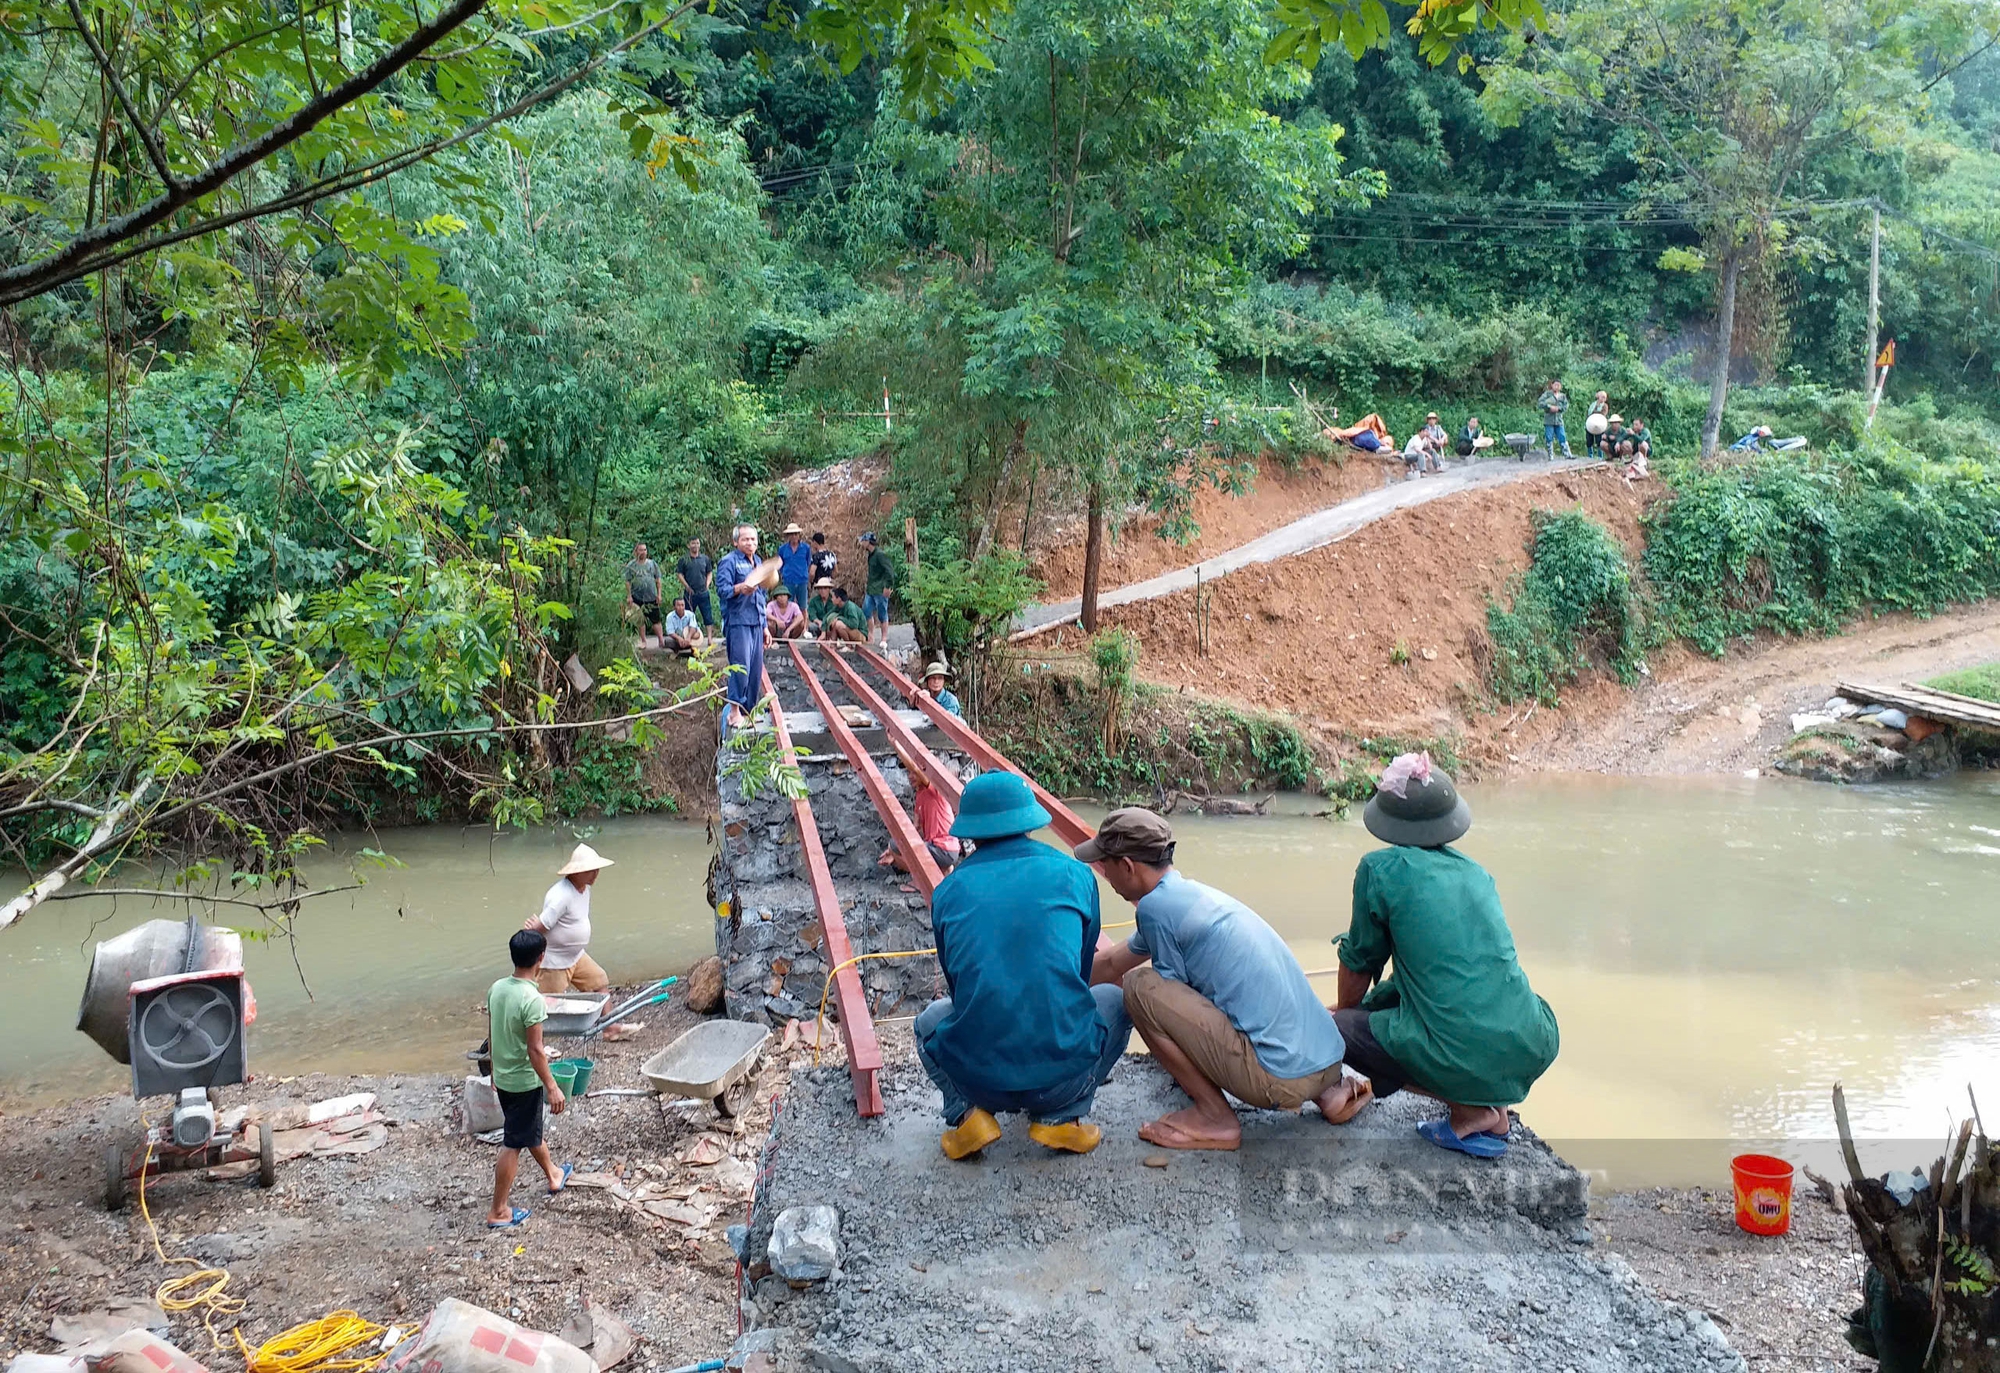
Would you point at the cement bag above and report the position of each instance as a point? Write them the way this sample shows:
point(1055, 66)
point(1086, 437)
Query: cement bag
point(459, 1337)
point(482, 1106)
point(141, 1351)
point(48, 1363)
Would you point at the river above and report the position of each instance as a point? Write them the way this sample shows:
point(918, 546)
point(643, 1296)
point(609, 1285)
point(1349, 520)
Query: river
point(1719, 951)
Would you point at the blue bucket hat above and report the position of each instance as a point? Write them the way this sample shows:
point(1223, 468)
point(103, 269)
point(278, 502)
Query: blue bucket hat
point(996, 805)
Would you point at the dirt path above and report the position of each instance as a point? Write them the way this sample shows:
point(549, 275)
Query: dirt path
point(1698, 714)
point(1316, 530)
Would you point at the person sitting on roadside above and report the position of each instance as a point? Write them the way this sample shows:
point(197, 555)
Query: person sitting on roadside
point(681, 628)
point(1613, 435)
point(522, 1081)
point(782, 619)
point(1370, 435)
point(564, 921)
point(1016, 926)
point(1415, 454)
point(1472, 438)
point(1457, 1019)
point(1638, 440)
point(936, 677)
point(1435, 439)
point(1220, 1001)
point(844, 621)
point(934, 820)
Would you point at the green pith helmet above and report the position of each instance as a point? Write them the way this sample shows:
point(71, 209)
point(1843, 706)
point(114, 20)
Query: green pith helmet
point(996, 805)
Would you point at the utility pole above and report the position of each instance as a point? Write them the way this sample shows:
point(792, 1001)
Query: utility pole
point(1874, 300)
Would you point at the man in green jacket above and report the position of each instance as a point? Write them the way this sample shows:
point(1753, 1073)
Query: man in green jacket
point(1457, 1019)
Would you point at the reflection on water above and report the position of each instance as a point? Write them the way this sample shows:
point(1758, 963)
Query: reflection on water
point(398, 970)
point(1719, 951)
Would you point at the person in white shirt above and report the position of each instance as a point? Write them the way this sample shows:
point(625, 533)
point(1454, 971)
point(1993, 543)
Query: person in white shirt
point(565, 922)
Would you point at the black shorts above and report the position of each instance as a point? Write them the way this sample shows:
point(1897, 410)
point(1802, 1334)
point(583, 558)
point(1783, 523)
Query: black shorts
point(1366, 1056)
point(522, 1114)
point(650, 609)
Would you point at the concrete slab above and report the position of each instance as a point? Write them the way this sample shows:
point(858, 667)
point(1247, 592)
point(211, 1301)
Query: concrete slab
point(1314, 1248)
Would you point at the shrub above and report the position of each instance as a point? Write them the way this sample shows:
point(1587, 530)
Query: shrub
point(1573, 605)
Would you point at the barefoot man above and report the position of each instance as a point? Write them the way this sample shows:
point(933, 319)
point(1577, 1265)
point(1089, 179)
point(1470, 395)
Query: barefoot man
point(1223, 1006)
point(1457, 1019)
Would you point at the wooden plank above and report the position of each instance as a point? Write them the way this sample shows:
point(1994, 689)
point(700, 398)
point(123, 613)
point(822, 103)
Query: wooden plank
point(923, 868)
point(944, 778)
point(857, 1028)
point(1942, 706)
point(1069, 827)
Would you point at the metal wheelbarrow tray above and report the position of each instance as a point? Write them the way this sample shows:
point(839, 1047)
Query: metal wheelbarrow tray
point(574, 1024)
point(710, 1062)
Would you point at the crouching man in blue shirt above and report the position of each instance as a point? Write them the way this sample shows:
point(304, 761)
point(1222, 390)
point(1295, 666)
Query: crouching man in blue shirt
point(1223, 1006)
point(1023, 1030)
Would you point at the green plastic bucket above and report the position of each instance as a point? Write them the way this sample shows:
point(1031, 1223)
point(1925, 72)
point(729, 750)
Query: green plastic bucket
point(572, 1075)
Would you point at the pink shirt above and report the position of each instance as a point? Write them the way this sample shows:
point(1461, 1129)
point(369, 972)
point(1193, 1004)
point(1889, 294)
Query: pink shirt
point(783, 619)
point(934, 819)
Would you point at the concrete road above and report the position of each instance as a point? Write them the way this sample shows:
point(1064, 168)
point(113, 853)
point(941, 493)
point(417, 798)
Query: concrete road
point(1316, 530)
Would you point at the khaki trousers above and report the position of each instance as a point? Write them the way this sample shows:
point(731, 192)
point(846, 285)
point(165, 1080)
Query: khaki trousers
point(581, 976)
point(1161, 1008)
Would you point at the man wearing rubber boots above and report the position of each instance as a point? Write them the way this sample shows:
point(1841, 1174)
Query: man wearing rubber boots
point(1456, 1019)
point(1016, 926)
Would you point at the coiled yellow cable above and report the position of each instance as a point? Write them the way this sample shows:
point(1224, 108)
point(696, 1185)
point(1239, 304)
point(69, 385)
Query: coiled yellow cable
point(315, 1347)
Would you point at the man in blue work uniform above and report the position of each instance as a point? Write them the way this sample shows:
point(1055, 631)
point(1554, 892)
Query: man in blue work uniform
point(795, 564)
point(738, 582)
point(1023, 1030)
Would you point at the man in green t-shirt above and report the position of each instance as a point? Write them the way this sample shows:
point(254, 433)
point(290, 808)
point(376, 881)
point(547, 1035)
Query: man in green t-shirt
point(881, 587)
point(1456, 1019)
point(843, 621)
point(642, 584)
point(515, 1011)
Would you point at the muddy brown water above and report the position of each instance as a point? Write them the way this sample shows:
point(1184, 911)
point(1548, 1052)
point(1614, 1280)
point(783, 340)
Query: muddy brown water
point(1719, 952)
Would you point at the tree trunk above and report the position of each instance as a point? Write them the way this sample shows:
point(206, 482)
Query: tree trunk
point(1017, 444)
point(1093, 557)
point(1725, 329)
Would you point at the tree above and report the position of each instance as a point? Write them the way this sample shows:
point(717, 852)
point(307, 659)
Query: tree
point(1092, 207)
point(1732, 101)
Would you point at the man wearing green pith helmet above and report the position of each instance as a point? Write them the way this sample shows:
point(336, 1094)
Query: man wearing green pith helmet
point(1022, 1030)
point(1456, 1019)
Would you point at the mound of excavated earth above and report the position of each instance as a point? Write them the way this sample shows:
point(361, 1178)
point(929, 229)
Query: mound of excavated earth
point(1315, 1247)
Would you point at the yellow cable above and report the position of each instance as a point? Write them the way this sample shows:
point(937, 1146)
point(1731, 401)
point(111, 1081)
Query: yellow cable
point(315, 1347)
point(819, 1027)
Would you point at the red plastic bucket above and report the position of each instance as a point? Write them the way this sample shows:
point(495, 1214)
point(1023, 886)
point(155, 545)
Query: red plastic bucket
point(1763, 1193)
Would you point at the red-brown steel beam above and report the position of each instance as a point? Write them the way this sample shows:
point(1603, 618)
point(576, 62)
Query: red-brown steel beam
point(857, 1027)
point(923, 868)
point(945, 779)
point(1064, 821)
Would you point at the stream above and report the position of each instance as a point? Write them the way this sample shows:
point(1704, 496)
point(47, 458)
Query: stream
point(1719, 952)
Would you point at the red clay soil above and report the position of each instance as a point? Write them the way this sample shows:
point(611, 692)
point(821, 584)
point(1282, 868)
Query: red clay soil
point(1317, 636)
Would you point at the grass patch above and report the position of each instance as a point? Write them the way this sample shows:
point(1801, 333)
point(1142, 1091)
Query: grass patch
point(1982, 682)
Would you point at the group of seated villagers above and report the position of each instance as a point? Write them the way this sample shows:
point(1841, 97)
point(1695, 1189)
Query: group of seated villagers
point(1042, 1004)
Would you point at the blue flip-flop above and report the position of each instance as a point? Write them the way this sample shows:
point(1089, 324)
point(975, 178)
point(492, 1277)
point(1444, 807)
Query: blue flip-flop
point(1481, 1145)
point(568, 1168)
point(520, 1214)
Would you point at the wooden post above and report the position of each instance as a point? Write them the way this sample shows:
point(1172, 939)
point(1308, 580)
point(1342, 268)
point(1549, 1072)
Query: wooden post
point(1874, 303)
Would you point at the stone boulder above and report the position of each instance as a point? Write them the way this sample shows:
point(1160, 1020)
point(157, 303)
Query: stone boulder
point(704, 986)
point(805, 1243)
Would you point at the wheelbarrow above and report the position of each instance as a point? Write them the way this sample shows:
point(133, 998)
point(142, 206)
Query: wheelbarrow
point(710, 1062)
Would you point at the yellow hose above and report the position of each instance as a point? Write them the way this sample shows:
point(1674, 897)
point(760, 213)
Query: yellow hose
point(315, 1347)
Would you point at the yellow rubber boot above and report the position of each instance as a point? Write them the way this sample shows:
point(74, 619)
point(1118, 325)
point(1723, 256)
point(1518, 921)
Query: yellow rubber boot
point(970, 1135)
point(1073, 1136)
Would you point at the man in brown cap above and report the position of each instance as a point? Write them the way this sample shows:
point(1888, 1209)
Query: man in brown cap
point(1218, 998)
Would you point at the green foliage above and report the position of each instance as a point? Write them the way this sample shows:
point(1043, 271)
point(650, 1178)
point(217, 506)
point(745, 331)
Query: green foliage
point(955, 603)
point(1796, 546)
point(1982, 682)
point(1574, 605)
point(605, 777)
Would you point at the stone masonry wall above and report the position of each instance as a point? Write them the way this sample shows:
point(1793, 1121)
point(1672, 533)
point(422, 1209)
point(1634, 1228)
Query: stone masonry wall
point(772, 946)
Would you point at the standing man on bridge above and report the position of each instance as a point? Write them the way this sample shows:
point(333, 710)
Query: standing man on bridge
point(1016, 925)
point(795, 564)
point(741, 578)
point(881, 586)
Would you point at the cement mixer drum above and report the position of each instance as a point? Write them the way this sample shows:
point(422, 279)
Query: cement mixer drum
point(158, 948)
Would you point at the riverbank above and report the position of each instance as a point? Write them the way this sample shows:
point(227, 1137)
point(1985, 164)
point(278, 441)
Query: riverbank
point(391, 1232)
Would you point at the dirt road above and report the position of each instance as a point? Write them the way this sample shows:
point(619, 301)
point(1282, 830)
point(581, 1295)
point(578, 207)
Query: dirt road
point(1700, 715)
